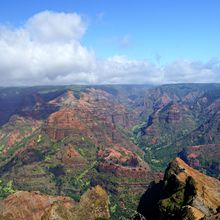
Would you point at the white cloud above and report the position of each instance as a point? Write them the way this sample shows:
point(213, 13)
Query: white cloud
point(55, 27)
point(192, 71)
point(47, 50)
point(119, 69)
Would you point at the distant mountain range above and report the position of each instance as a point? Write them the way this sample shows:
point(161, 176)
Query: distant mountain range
point(69, 140)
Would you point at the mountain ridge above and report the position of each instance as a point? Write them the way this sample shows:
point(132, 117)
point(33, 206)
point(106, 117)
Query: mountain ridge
point(64, 140)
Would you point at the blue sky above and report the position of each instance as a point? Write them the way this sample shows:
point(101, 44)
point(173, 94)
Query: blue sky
point(159, 31)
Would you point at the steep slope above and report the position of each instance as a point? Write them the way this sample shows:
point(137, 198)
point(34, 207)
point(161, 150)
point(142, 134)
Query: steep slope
point(177, 116)
point(36, 206)
point(29, 205)
point(63, 155)
point(204, 158)
point(17, 129)
point(168, 123)
point(96, 114)
point(184, 193)
point(62, 140)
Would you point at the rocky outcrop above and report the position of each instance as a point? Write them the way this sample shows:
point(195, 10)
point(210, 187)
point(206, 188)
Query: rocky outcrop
point(122, 162)
point(91, 133)
point(30, 205)
point(36, 206)
point(120, 155)
point(184, 193)
point(93, 205)
point(122, 171)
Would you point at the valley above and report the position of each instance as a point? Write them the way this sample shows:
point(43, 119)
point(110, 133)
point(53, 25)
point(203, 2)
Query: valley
point(65, 141)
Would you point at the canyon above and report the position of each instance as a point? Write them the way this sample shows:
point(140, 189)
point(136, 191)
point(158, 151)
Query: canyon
point(63, 141)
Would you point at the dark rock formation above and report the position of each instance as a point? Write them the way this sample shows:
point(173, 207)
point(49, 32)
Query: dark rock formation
point(184, 193)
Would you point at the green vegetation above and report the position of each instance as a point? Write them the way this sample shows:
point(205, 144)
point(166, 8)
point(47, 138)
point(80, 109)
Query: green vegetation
point(51, 170)
point(172, 205)
point(6, 189)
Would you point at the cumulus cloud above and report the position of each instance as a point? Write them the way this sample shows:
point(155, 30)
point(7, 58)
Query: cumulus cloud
point(55, 27)
point(47, 50)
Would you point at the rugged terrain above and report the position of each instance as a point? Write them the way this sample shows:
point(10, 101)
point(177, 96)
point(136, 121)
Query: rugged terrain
point(63, 140)
point(184, 193)
point(36, 206)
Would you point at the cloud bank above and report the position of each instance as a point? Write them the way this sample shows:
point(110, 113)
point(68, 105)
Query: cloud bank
point(47, 50)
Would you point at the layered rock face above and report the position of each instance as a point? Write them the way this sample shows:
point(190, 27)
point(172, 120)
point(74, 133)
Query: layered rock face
point(16, 130)
point(63, 140)
point(30, 205)
point(122, 163)
point(95, 115)
point(178, 116)
point(203, 157)
point(168, 122)
point(36, 206)
point(184, 193)
point(67, 128)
